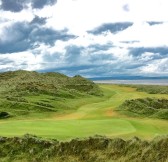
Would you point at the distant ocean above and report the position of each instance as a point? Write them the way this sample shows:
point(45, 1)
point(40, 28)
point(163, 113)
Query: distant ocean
point(141, 81)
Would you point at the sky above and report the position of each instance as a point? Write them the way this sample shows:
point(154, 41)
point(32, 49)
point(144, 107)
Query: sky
point(92, 38)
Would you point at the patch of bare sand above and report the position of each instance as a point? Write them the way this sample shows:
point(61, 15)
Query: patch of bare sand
point(110, 113)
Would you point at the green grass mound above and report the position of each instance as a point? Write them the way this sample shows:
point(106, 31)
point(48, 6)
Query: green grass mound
point(27, 82)
point(24, 92)
point(146, 107)
point(94, 149)
point(152, 89)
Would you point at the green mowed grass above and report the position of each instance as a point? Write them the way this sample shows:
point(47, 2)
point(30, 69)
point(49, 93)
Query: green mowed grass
point(66, 129)
point(91, 116)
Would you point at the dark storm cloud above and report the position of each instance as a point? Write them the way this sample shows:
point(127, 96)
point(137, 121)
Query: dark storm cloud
point(73, 70)
point(12, 5)
point(41, 3)
point(163, 51)
point(76, 68)
point(112, 27)
point(96, 53)
point(52, 57)
point(38, 20)
point(95, 60)
point(22, 36)
point(19, 5)
point(107, 70)
point(79, 59)
point(73, 53)
point(100, 47)
point(99, 53)
point(151, 23)
point(101, 57)
point(134, 65)
point(17, 38)
point(48, 36)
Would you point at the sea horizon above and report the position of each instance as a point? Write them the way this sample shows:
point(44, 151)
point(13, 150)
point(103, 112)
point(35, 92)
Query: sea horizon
point(163, 82)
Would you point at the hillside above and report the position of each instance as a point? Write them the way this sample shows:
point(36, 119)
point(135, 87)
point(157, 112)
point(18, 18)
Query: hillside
point(23, 92)
point(26, 82)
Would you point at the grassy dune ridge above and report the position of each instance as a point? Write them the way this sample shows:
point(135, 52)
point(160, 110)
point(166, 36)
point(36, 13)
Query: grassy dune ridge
point(152, 89)
point(94, 149)
point(25, 92)
point(146, 107)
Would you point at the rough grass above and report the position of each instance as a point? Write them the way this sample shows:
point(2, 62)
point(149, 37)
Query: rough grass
point(22, 83)
point(151, 89)
point(146, 107)
point(25, 92)
point(94, 149)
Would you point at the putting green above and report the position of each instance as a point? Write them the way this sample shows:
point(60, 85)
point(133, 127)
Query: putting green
point(97, 117)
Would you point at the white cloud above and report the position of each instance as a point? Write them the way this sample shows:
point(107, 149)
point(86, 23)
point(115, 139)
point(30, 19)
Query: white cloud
point(147, 56)
point(22, 60)
point(80, 16)
point(158, 67)
point(24, 15)
point(144, 35)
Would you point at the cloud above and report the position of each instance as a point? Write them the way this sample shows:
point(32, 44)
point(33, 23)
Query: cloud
point(130, 42)
point(91, 38)
point(77, 59)
point(112, 27)
point(100, 47)
point(148, 56)
point(101, 60)
point(41, 3)
point(88, 60)
point(38, 20)
point(73, 55)
point(95, 54)
point(91, 61)
point(52, 58)
point(22, 36)
point(15, 61)
point(154, 22)
point(162, 51)
point(157, 67)
point(5, 61)
point(19, 5)
point(13, 6)
point(126, 7)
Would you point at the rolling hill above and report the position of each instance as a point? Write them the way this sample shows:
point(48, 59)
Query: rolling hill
point(23, 92)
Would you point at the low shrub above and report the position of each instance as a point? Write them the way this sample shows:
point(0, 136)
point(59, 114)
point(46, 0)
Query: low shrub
point(146, 107)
